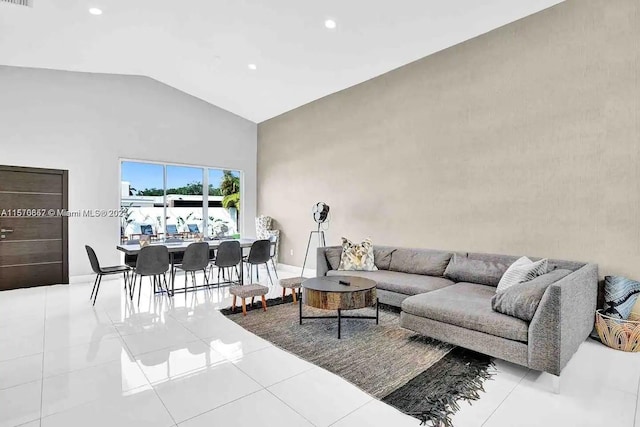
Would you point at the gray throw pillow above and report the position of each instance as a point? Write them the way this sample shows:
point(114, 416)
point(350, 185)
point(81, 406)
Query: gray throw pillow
point(521, 300)
point(463, 269)
point(333, 256)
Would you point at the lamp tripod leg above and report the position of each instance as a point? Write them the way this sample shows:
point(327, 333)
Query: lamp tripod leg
point(306, 254)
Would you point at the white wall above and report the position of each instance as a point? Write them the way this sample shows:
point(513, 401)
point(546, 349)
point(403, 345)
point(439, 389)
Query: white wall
point(86, 122)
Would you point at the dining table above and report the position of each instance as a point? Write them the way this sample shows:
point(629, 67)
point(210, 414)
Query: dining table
point(177, 247)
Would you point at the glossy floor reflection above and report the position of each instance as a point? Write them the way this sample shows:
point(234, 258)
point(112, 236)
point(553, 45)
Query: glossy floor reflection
point(180, 362)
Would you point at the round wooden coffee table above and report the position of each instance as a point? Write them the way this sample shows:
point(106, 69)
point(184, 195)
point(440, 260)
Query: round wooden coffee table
point(328, 293)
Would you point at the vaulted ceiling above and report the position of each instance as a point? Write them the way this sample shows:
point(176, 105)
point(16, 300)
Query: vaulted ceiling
point(204, 47)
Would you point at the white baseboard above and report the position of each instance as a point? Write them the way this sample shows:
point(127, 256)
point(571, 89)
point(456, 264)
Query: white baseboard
point(89, 278)
point(309, 272)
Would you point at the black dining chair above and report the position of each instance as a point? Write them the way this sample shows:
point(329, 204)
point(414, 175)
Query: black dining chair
point(104, 271)
point(153, 262)
point(260, 253)
point(196, 258)
point(228, 256)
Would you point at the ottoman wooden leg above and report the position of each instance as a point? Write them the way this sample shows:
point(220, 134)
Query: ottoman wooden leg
point(264, 304)
point(284, 292)
point(233, 304)
point(244, 308)
point(294, 292)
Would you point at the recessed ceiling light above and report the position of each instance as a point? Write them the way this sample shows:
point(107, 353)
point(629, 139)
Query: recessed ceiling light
point(95, 11)
point(330, 24)
point(252, 66)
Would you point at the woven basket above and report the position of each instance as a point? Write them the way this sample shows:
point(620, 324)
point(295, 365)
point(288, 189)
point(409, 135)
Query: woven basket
point(617, 333)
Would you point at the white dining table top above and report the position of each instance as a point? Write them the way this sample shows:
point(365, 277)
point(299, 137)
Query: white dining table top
point(180, 246)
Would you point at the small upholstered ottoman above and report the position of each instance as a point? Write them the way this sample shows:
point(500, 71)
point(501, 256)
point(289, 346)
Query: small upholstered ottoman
point(248, 291)
point(293, 283)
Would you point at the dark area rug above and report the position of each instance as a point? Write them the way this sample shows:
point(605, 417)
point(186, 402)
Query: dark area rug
point(419, 376)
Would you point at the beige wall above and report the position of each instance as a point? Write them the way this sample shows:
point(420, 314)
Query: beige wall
point(522, 141)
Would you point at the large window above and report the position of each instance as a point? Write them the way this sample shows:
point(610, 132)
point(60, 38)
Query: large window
point(164, 200)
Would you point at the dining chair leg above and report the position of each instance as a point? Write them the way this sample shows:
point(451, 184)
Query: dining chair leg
point(139, 289)
point(268, 273)
point(162, 279)
point(95, 282)
point(185, 281)
point(257, 272)
point(218, 277)
point(126, 282)
point(95, 297)
point(132, 285)
point(237, 273)
point(275, 270)
point(252, 300)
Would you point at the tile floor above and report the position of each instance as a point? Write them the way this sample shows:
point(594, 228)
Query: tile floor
point(66, 363)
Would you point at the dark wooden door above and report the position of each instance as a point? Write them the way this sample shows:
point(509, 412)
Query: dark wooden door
point(33, 227)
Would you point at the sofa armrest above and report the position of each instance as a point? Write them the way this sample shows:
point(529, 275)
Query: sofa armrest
point(322, 265)
point(563, 320)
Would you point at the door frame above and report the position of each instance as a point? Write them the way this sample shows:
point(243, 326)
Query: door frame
point(65, 205)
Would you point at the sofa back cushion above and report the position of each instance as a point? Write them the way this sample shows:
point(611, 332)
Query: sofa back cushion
point(420, 261)
point(484, 271)
point(381, 256)
point(510, 259)
point(333, 254)
point(522, 300)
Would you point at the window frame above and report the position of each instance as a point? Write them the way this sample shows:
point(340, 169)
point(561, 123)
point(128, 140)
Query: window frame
point(205, 189)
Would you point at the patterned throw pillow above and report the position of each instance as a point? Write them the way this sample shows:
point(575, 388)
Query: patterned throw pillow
point(522, 270)
point(263, 225)
point(620, 295)
point(357, 256)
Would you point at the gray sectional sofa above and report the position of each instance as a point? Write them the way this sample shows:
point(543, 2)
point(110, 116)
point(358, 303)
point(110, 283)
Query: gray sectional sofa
point(458, 309)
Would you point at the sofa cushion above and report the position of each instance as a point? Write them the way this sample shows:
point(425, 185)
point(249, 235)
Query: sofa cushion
point(382, 256)
point(333, 255)
point(510, 259)
point(402, 283)
point(467, 305)
point(420, 261)
point(462, 268)
point(522, 300)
